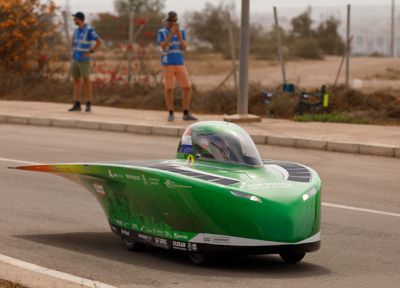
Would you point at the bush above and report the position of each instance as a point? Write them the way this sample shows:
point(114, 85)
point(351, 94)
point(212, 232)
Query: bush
point(25, 28)
point(307, 48)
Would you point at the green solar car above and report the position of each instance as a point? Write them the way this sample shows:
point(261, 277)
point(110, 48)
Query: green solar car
point(216, 197)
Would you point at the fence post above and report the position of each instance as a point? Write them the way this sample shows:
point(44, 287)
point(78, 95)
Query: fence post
point(69, 40)
point(393, 31)
point(233, 56)
point(279, 43)
point(242, 104)
point(348, 46)
point(130, 46)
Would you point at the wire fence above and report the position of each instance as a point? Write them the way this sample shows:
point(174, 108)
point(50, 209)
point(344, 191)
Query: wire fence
point(127, 59)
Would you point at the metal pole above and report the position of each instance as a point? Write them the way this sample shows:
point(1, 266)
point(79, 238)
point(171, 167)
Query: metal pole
point(69, 42)
point(242, 103)
point(130, 43)
point(233, 56)
point(348, 46)
point(393, 32)
point(279, 43)
point(341, 65)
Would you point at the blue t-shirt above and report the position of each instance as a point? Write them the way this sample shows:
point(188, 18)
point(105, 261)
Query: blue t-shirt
point(83, 38)
point(173, 55)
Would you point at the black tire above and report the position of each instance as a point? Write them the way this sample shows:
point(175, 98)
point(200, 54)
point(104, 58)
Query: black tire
point(292, 258)
point(199, 259)
point(133, 245)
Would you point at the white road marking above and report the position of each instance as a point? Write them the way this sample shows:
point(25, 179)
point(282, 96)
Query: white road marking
point(17, 161)
point(57, 274)
point(360, 209)
point(332, 205)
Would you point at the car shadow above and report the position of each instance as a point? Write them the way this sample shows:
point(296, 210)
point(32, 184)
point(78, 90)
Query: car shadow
point(109, 246)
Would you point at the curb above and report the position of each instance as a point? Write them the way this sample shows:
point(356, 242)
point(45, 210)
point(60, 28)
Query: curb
point(176, 131)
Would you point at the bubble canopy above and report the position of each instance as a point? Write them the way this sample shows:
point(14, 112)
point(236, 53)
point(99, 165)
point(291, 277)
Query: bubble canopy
point(218, 141)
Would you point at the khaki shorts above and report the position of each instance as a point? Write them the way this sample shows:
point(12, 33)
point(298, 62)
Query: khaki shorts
point(179, 72)
point(80, 69)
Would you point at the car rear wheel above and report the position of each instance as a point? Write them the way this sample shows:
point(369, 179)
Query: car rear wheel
point(133, 245)
point(292, 258)
point(198, 258)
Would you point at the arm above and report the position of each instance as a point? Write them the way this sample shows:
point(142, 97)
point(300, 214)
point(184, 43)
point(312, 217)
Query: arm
point(164, 45)
point(181, 38)
point(99, 42)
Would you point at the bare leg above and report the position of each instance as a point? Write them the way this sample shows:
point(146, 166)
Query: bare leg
point(186, 98)
point(169, 99)
point(89, 89)
point(77, 89)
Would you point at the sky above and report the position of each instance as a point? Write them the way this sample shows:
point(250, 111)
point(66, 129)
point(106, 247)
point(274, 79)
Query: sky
point(181, 6)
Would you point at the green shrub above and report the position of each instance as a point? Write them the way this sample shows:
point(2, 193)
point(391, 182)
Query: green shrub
point(307, 48)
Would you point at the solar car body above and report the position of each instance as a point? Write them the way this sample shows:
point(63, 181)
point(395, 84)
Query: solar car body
point(217, 196)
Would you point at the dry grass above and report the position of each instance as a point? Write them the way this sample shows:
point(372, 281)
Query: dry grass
point(8, 284)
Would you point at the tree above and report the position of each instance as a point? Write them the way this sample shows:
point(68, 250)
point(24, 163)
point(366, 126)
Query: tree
point(209, 27)
point(328, 37)
point(301, 25)
point(25, 29)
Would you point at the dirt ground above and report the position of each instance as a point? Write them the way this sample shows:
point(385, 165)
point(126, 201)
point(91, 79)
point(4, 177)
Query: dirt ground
point(366, 73)
point(8, 284)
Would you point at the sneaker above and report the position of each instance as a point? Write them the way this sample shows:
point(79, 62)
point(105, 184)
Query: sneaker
point(171, 117)
point(189, 117)
point(75, 107)
point(88, 107)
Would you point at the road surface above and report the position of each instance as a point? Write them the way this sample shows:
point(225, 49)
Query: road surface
point(54, 223)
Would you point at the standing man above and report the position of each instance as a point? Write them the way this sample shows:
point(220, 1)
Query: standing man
point(82, 41)
point(172, 41)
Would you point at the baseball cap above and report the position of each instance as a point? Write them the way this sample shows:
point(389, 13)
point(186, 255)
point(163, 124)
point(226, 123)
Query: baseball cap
point(171, 15)
point(79, 15)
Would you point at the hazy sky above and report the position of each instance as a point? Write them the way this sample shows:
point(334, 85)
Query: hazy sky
point(93, 6)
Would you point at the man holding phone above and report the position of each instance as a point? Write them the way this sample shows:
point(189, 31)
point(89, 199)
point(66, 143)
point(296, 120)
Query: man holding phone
point(172, 42)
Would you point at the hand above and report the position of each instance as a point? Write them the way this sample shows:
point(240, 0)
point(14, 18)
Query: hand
point(176, 30)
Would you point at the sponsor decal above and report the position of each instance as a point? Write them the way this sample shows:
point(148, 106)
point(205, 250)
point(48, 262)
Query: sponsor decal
point(178, 245)
point(113, 175)
point(275, 185)
point(144, 179)
point(154, 181)
point(125, 232)
point(161, 242)
point(99, 189)
point(192, 246)
point(172, 185)
point(113, 228)
point(135, 226)
point(145, 237)
point(180, 236)
point(132, 177)
point(217, 239)
point(119, 222)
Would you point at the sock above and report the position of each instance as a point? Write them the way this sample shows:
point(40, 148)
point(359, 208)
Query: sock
point(171, 112)
point(185, 112)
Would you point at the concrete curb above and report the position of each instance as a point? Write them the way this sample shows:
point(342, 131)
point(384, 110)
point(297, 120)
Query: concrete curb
point(175, 131)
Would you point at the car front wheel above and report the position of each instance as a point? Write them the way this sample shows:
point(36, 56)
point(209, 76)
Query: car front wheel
point(292, 258)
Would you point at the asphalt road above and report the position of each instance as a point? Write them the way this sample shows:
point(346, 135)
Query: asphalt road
point(54, 223)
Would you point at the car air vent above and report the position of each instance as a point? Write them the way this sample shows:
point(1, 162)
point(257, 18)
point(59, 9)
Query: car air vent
point(297, 173)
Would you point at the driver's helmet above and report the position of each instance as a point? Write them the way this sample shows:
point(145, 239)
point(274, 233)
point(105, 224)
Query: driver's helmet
point(218, 142)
